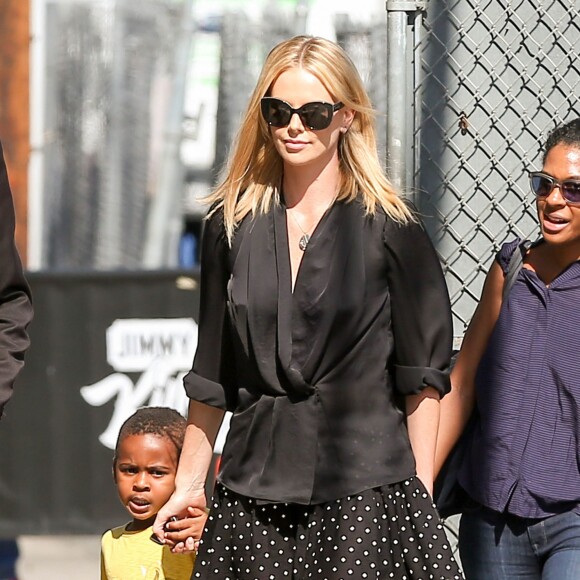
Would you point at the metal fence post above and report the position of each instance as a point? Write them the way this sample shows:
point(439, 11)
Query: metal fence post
point(398, 99)
point(110, 224)
point(164, 219)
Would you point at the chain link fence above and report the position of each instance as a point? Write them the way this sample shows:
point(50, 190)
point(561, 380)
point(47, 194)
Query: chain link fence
point(497, 76)
point(108, 66)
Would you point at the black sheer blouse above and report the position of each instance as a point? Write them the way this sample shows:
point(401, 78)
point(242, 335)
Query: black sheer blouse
point(313, 376)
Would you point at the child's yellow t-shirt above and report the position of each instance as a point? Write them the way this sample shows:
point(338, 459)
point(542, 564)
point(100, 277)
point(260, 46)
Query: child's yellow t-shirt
point(129, 555)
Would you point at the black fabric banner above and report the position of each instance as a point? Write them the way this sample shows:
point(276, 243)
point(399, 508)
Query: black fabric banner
point(103, 344)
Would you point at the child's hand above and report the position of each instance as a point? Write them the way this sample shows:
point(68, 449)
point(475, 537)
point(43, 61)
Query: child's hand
point(183, 535)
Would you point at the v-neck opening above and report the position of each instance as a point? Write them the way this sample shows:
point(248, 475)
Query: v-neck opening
point(562, 275)
point(313, 236)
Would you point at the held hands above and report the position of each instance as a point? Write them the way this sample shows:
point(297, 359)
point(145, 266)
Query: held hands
point(184, 534)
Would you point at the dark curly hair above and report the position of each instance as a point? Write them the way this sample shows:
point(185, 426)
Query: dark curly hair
point(568, 134)
point(161, 421)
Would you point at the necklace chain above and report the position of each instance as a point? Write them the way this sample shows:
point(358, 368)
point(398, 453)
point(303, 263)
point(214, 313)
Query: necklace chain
point(305, 238)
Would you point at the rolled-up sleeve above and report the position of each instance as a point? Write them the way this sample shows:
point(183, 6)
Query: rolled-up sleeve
point(421, 313)
point(211, 379)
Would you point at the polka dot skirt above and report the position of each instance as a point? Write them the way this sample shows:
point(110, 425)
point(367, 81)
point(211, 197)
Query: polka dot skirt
point(388, 532)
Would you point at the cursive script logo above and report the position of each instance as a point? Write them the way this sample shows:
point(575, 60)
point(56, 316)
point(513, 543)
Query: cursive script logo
point(161, 350)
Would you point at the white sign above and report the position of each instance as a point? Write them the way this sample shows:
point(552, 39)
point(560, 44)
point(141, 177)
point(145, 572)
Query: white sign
point(134, 344)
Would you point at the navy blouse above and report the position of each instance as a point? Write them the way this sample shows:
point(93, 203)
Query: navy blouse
point(310, 375)
point(525, 456)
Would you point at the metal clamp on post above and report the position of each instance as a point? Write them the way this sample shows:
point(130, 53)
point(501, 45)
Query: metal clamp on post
point(406, 5)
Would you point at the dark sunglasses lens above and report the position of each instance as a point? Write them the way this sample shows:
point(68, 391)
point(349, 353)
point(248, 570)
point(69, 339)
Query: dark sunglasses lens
point(317, 115)
point(571, 191)
point(276, 113)
point(541, 185)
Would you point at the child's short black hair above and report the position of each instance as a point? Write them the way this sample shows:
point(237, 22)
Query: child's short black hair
point(161, 421)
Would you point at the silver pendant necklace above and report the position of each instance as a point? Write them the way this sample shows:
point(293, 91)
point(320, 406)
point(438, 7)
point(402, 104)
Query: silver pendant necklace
point(305, 238)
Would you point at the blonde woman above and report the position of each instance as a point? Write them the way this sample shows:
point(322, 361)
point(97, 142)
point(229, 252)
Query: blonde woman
point(322, 306)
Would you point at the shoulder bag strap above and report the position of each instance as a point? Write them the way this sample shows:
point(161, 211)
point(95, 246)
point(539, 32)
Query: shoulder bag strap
point(514, 266)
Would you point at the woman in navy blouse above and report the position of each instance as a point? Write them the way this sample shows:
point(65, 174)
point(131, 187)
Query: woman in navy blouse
point(323, 305)
point(521, 360)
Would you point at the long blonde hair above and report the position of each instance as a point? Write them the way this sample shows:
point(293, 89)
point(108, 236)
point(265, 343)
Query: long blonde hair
point(254, 172)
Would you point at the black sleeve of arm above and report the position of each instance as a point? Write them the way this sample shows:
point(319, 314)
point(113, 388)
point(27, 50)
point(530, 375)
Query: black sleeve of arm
point(421, 313)
point(15, 301)
point(211, 380)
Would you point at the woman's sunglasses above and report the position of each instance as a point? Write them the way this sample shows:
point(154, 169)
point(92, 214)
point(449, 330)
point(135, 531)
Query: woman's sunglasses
point(316, 116)
point(543, 184)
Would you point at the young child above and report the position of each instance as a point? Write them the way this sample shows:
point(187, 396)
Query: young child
point(144, 467)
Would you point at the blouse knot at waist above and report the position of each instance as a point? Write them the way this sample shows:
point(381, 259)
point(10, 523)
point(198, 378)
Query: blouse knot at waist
point(314, 449)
